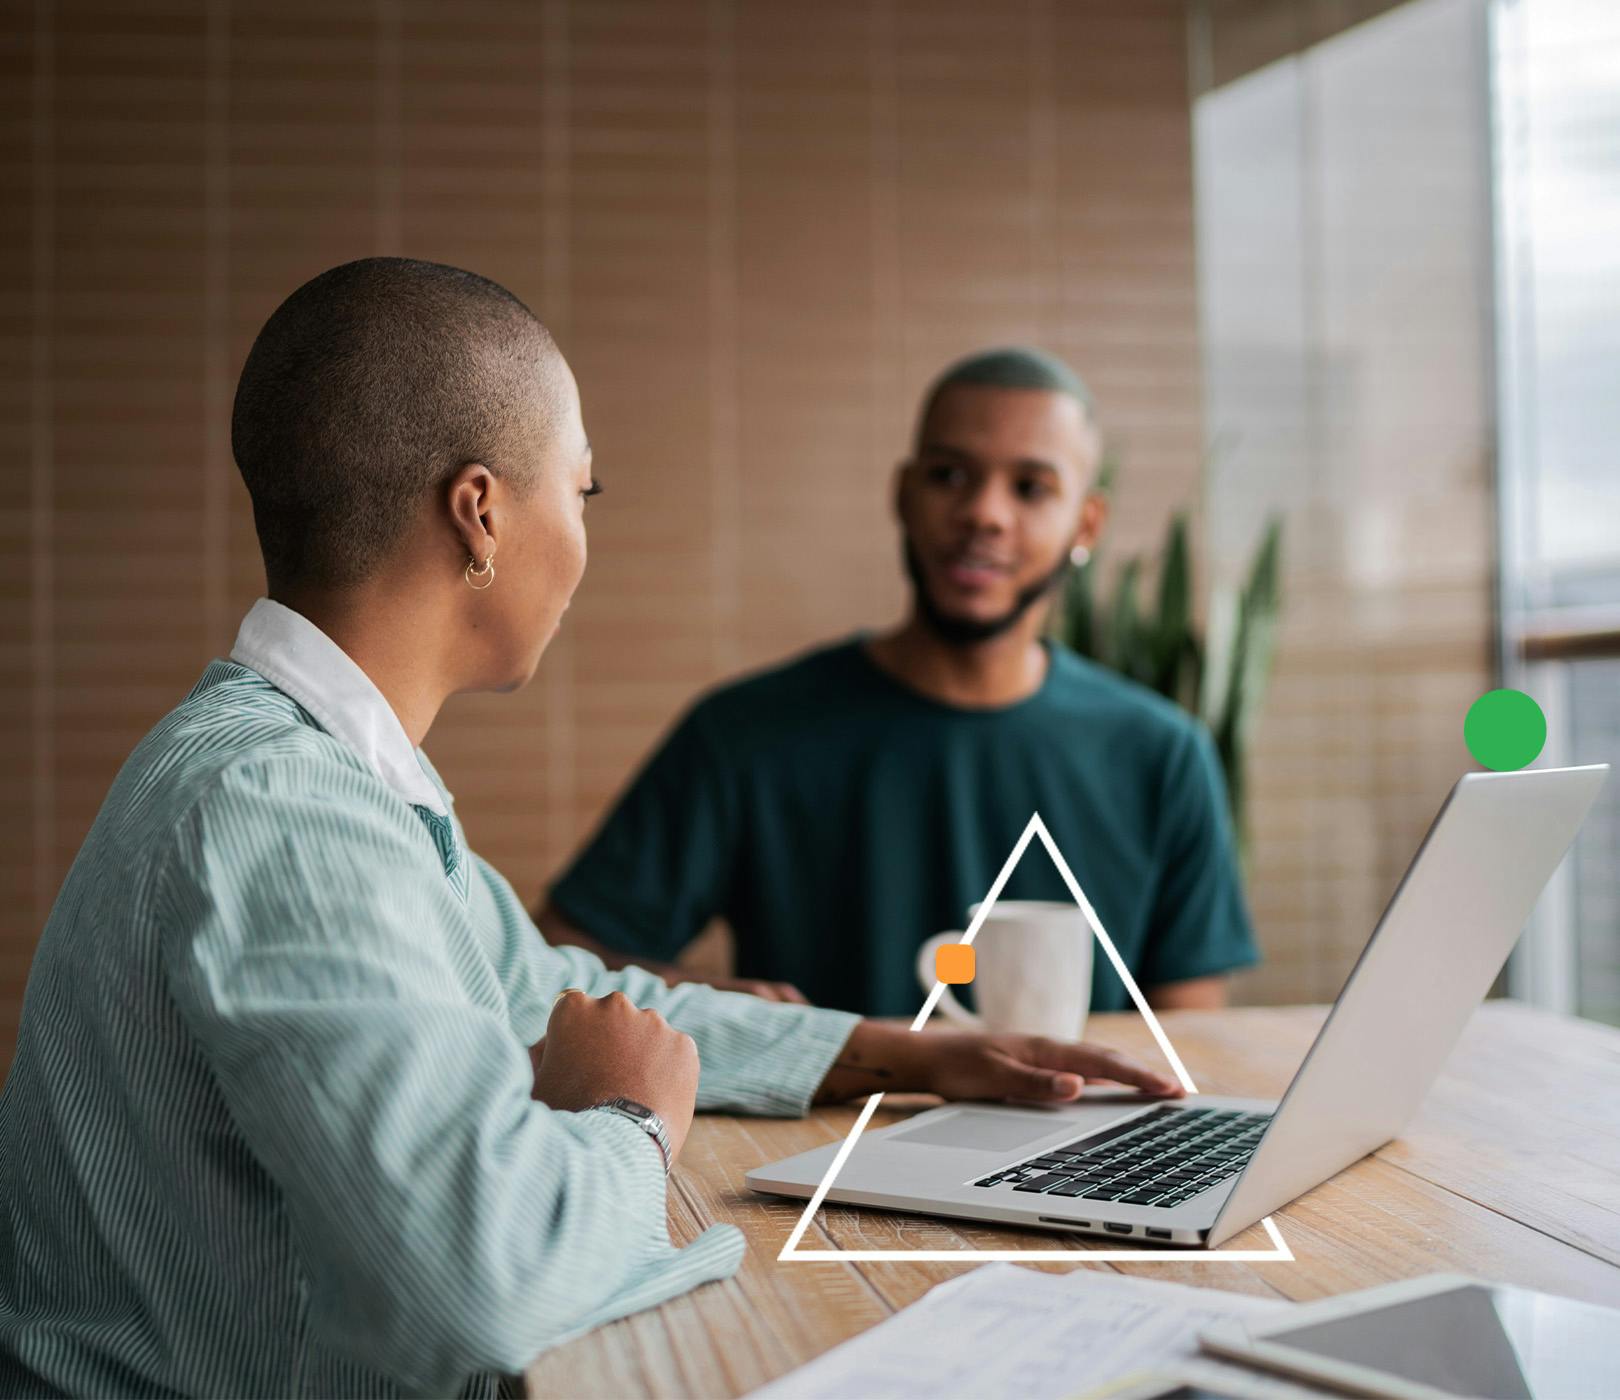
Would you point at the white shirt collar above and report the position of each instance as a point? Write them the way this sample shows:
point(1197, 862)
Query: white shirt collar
point(300, 660)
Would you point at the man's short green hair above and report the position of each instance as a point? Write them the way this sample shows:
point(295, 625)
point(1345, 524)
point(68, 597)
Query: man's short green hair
point(1010, 367)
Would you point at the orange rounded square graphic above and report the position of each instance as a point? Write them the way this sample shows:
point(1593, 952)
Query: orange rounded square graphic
point(953, 963)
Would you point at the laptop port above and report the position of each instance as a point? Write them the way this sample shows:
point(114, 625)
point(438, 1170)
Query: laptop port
point(1118, 1229)
point(1153, 1234)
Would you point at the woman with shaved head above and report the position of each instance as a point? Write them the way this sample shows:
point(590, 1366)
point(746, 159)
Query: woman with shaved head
point(302, 1103)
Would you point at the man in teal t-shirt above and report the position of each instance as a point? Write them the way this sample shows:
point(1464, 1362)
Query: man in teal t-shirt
point(840, 809)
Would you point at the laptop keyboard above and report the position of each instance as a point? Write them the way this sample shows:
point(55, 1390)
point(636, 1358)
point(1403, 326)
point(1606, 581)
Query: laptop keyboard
point(1160, 1159)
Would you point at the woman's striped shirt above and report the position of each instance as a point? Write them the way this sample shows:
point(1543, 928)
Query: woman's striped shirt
point(269, 1128)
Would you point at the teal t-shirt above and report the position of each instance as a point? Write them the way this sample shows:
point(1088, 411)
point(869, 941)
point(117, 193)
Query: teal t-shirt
point(836, 818)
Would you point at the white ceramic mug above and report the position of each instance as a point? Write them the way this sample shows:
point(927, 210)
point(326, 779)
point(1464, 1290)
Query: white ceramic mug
point(1032, 969)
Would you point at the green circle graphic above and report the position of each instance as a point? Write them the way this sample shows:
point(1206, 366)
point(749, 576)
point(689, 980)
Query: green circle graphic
point(1504, 730)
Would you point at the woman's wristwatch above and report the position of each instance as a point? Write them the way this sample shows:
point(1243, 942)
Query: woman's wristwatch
point(644, 1118)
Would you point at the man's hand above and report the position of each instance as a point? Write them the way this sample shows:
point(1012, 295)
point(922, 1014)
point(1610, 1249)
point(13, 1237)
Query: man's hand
point(964, 1065)
point(598, 1048)
point(970, 1065)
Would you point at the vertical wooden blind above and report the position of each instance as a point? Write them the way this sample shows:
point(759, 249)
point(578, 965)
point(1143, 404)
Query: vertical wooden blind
point(757, 229)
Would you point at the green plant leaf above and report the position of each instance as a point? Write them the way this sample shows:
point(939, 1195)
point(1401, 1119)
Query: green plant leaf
point(1175, 609)
point(1258, 630)
point(1219, 675)
point(1107, 473)
point(1265, 574)
point(1125, 639)
point(1075, 620)
point(1252, 649)
point(1189, 673)
point(1220, 635)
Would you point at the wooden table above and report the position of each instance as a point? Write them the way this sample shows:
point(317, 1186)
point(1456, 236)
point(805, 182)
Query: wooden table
point(1510, 1171)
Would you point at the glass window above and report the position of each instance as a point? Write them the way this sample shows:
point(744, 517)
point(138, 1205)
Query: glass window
point(1556, 100)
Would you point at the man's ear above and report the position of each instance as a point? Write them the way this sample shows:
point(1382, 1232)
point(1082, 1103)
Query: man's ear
point(469, 498)
point(1093, 519)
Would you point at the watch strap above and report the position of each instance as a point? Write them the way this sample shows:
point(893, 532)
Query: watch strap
point(644, 1118)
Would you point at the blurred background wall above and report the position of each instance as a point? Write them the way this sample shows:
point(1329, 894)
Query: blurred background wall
point(1263, 229)
point(756, 229)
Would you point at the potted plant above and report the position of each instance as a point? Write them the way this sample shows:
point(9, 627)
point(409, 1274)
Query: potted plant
point(1217, 672)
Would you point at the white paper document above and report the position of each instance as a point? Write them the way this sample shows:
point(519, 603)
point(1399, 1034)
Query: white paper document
point(1006, 1331)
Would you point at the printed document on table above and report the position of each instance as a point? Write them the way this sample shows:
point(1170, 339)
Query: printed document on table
point(1005, 1331)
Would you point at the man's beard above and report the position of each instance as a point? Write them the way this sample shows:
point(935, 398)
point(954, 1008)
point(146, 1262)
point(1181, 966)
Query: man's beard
point(968, 631)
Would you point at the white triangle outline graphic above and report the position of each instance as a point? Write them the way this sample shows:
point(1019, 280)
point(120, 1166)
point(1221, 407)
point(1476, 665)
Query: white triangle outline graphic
point(791, 1252)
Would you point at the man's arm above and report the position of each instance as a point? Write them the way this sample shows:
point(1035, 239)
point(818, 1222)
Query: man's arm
point(774, 1059)
point(658, 868)
point(559, 928)
point(781, 1059)
point(1199, 930)
point(880, 1056)
point(1193, 994)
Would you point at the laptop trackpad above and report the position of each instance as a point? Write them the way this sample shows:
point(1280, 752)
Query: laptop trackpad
point(988, 1132)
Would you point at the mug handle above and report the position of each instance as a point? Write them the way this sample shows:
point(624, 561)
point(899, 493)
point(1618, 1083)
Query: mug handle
point(953, 1009)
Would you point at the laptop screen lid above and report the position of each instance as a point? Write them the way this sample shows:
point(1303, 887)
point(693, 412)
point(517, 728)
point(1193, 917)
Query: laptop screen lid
point(1443, 938)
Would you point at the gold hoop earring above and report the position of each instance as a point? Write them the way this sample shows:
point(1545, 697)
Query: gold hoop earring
point(484, 573)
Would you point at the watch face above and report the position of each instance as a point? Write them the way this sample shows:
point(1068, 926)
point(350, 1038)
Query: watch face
point(635, 1109)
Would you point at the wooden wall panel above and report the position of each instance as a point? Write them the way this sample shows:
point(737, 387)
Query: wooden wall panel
point(812, 290)
point(756, 229)
point(25, 755)
point(124, 520)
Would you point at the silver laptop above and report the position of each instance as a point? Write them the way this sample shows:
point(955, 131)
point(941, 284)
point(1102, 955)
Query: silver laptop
point(1197, 1170)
